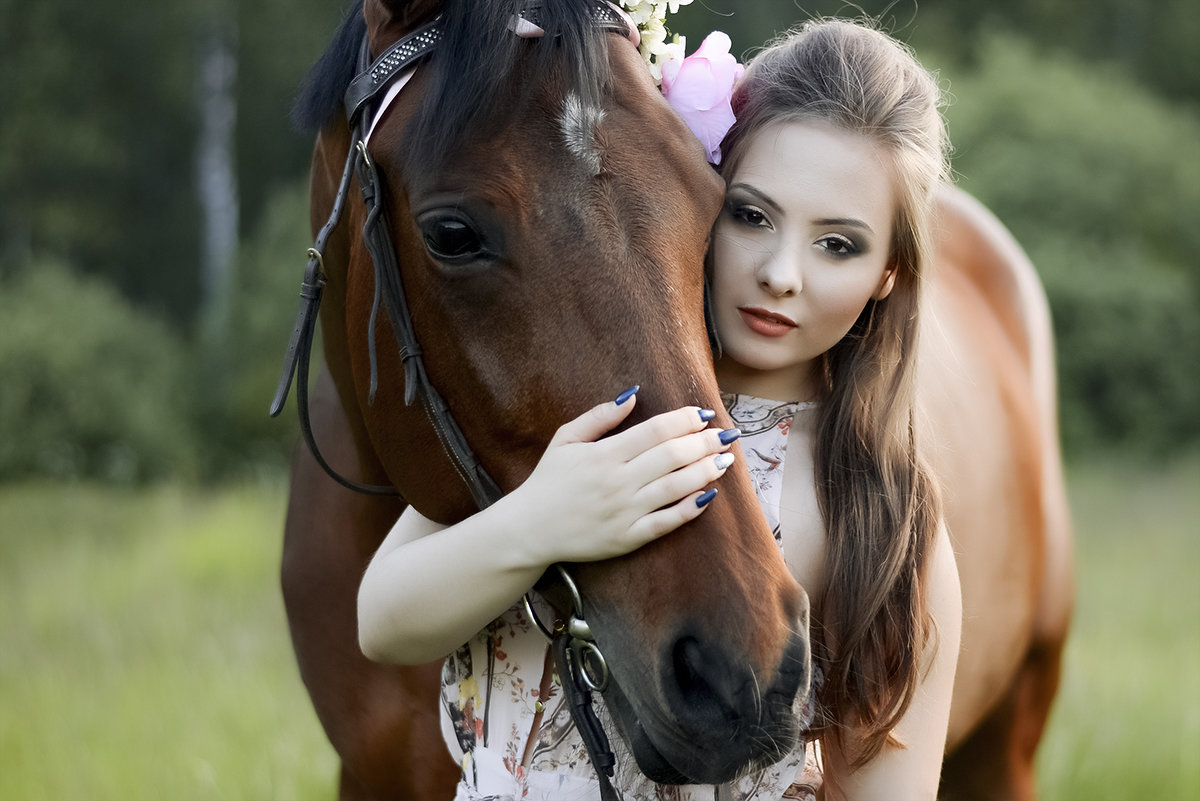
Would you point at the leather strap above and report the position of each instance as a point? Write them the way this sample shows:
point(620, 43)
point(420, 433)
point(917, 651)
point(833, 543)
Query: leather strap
point(389, 286)
point(579, 702)
point(299, 350)
point(391, 62)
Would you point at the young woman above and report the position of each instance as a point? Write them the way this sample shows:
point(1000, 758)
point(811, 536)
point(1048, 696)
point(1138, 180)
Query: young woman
point(816, 268)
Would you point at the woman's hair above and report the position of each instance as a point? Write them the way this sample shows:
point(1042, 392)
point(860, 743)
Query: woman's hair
point(879, 503)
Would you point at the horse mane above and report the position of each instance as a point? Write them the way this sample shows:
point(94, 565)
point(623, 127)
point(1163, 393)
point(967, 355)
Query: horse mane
point(474, 68)
point(319, 100)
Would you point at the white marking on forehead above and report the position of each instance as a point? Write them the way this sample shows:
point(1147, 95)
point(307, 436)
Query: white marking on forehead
point(578, 122)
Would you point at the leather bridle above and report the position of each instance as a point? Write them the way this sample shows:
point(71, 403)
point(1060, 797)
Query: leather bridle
point(581, 666)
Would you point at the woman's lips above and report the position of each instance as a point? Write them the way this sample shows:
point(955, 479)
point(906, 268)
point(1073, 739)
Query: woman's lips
point(766, 323)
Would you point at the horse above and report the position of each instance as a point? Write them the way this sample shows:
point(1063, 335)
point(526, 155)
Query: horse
point(599, 286)
point(987, 389)
point(539, 269)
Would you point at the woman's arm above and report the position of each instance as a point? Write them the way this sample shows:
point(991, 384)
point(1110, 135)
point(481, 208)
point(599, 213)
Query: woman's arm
point(912, 772)
point(428, 589)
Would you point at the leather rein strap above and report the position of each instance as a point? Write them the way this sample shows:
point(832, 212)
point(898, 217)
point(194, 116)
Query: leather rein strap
point(575, 653)
point(363, 90)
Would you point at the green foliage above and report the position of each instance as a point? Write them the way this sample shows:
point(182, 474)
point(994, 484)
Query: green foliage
point(1100, 182)
point(1097, 176)
point(240, 369)
point(91, 387)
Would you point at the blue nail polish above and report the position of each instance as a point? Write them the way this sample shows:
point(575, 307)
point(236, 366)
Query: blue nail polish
point(627, 394)
point(707, 414)
point(729, 435)
point(706, 498)
point(723, 460)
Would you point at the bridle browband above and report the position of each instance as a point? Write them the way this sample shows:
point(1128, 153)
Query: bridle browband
point(581, 666)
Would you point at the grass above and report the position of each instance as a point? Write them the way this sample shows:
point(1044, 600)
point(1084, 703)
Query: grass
point(144, 651)
point(1127, 719)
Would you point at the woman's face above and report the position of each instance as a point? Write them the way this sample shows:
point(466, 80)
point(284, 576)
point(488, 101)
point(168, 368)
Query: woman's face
point(802, 244)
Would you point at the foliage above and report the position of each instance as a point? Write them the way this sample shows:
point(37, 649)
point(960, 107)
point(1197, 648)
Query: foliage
point(95, 147)
point(1101, 185)
point(1153, 40)
point(92, 387)
point(1094, 171)
point(241, 368)
point(100, 123)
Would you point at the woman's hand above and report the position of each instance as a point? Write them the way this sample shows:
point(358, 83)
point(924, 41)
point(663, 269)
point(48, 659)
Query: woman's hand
point(591, 498)
point(429, 588)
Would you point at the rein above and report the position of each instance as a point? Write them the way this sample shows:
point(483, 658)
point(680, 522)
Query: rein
point(581, 666)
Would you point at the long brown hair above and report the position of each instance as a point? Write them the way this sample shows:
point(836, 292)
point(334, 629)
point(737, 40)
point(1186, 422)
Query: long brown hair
point(879, 503)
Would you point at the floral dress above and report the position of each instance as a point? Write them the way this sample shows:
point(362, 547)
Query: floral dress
point(503, 712)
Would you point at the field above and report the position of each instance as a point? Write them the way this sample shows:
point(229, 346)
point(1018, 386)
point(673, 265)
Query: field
point(144, 652)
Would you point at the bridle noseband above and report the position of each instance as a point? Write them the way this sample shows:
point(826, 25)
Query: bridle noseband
point(581, 666)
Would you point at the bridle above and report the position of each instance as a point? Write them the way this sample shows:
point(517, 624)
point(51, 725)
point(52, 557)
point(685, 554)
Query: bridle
point(581, 666)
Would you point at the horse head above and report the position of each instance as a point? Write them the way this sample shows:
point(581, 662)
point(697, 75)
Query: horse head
point(549, 215)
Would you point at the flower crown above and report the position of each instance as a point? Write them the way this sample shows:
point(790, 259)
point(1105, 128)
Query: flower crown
point(700, 86)
point(650, 17)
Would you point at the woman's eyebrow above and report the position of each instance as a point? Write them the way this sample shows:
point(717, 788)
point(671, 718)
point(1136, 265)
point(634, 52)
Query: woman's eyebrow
point(757, 195)
point(850, 222)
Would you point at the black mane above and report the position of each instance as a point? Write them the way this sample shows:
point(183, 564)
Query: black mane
point(470, 70)
point(320, 97)
point(475, 64)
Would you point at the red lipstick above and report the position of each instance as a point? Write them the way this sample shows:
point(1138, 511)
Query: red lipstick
point(766, 323)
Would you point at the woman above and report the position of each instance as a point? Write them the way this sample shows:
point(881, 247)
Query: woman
point(815, 267)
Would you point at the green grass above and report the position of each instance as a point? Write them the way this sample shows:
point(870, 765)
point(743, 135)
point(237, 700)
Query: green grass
point(1127, 719)
point(144, 651)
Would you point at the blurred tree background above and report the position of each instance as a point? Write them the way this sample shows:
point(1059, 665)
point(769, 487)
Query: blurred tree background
point(153, 212)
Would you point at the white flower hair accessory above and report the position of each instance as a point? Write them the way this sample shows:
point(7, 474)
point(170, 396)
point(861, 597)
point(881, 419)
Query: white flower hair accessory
point(699, 86)
point(650, 17)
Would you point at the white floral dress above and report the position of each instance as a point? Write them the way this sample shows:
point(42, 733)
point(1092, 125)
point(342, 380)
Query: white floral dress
point(513, 734)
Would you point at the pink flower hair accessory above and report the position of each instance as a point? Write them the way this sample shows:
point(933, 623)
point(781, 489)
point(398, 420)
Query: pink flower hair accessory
point(700, 88)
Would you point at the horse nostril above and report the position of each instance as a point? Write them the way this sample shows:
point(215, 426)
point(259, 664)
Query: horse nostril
point(688, 666)
point(704, 681)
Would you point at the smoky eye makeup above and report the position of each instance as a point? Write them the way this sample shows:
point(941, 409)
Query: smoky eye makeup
point(747, 214)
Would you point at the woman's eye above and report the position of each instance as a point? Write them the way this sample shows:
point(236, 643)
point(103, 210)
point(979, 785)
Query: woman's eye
point(837, 246)
point(750, 215)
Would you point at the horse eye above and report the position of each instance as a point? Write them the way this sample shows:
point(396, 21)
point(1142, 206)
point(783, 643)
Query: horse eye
point(453, 240)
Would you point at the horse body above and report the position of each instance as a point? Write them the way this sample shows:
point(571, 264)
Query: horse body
point(599, 288)
point(987, 393)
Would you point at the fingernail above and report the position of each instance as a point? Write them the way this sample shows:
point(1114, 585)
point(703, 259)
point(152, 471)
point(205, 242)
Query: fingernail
point(706, 498)
point(729, 435)
point(627, 394)
point(707, 414)
point(723, 460)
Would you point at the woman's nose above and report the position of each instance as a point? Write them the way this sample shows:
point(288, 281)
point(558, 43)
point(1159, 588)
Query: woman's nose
point(780, 276)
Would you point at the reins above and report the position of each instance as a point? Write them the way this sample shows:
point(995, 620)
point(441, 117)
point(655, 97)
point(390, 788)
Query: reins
point(581, 666)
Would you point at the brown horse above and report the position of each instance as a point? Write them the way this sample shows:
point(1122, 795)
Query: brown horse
point(544, 270)
point(988, 391)
point(599, 287)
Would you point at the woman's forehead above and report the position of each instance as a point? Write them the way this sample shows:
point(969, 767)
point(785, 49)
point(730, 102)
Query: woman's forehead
point(817, 168)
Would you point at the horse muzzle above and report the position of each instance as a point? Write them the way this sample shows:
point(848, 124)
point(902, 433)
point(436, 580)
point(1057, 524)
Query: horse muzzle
point(711, 718)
